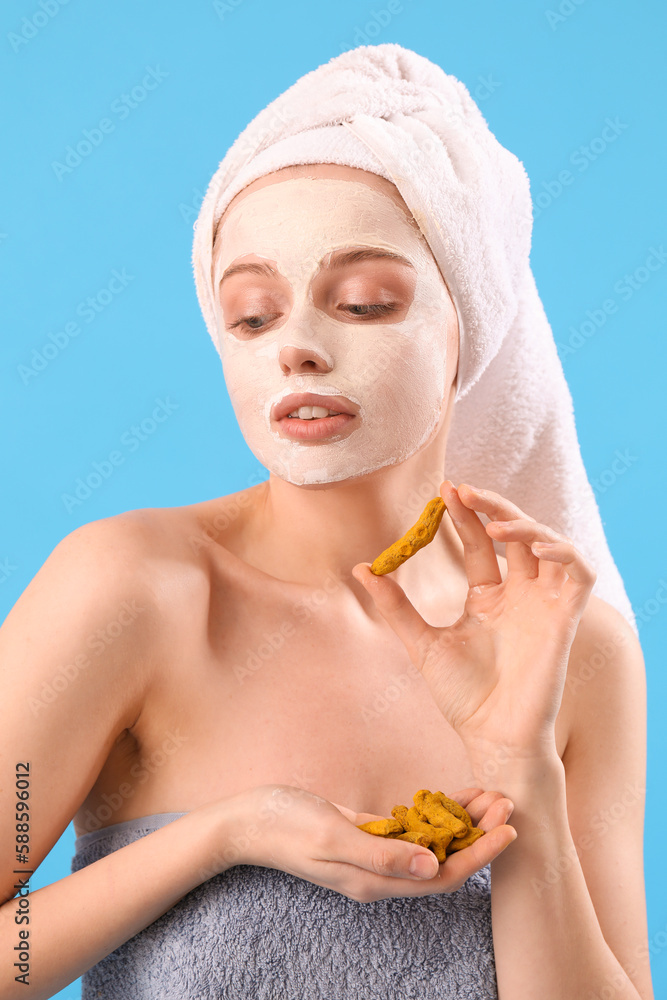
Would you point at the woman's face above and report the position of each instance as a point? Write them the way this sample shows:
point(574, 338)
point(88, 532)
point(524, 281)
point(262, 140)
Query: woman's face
point(327, 295)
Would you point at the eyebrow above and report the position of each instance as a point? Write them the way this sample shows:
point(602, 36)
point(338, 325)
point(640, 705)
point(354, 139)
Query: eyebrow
point(338, 259)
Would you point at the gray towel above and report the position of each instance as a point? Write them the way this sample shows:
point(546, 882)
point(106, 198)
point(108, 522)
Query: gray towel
point(254, 933)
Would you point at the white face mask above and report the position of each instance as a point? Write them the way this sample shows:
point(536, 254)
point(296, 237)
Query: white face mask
point(388, 373)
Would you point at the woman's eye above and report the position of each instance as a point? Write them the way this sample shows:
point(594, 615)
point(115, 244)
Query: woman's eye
point(371, 310)
point(248, 322)
point(257, 323)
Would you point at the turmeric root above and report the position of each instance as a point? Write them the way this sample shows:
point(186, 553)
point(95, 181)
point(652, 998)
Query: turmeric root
point(382, 827)
point(413, 837)
point(458, 843)
point(432, 822)
point(431, 809)
point(420, 534)
point(453, 806)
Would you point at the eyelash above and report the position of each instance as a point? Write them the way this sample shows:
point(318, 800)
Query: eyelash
point(374, 310)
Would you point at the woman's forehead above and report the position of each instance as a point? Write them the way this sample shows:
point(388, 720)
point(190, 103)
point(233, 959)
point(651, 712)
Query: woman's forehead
point(330, 171)
point(312, 216)
point(321, 171)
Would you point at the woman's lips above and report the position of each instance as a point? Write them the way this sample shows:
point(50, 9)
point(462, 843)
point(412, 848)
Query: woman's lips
point(316, 428)
point(343, 422)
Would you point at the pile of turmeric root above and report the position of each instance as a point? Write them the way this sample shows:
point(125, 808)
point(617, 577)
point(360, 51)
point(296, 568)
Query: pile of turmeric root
point(435, 821)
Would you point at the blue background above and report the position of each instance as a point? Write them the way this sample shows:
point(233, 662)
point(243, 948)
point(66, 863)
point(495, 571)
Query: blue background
point(547, 76)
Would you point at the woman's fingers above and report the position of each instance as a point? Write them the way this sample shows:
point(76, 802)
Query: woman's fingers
point(388, 858)
point(466, 795)
point(486, 809)
point(355, 817)
point(519, 557)
point(581, 576)
point(560, 562)
point(392, 603)
point(462, 864)
point(521, 532)
point(480, 558)
point(492, 504)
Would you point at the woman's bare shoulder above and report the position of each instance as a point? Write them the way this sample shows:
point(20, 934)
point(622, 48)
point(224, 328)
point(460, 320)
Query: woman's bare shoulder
point(602, 628)
point(149, 535)
point(605, 655)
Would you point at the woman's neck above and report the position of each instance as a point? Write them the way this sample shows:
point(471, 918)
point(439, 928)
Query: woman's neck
point(304, 534)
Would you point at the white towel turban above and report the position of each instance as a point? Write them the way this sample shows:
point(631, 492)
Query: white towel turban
point(387, 110)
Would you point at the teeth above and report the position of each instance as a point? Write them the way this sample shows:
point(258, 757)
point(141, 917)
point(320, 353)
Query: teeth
point(312, 412)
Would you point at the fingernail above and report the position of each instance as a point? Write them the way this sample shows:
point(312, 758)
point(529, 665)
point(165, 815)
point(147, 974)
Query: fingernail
point(422, 866)
point(542, 547)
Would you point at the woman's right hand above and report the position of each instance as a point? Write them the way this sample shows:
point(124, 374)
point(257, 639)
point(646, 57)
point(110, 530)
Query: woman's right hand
point(291, 829)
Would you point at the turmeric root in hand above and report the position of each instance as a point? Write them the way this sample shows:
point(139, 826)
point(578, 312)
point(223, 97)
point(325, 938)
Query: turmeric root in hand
point(438, 813)
point(435, 821)
point(420, 534)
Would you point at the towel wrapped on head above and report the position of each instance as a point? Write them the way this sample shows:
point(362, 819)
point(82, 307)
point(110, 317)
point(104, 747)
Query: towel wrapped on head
point(390, 111)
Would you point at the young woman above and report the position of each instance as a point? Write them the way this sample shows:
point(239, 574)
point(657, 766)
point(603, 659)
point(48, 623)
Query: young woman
point(235, 691)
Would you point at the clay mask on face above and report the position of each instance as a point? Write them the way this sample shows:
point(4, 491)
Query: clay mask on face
point(389, 374)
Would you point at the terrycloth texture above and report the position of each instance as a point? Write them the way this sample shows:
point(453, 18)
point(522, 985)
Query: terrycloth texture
point(255, 933)
point(387, 110)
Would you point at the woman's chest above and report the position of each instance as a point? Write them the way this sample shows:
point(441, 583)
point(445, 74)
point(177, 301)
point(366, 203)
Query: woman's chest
point(308, 697)
point(326, 707)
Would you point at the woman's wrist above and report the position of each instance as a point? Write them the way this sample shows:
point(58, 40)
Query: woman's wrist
point(517, 773)
point(222, 831)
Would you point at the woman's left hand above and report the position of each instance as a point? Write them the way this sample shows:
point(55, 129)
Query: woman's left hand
point(497, 673)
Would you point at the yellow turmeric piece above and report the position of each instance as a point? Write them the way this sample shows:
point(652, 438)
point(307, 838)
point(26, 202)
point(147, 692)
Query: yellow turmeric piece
point(453, 806)
point(458, 843)
point(413, 837)
point(434, 812)
point(430, 823)
point(419, 535)
point(382, 827)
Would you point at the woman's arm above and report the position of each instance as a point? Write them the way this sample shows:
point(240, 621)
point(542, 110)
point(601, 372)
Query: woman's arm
point(568, 900)
point(76, 656)
point(499, 675)
point(77, 921)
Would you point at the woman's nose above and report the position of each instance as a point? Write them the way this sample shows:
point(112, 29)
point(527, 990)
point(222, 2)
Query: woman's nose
point(302, 360)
